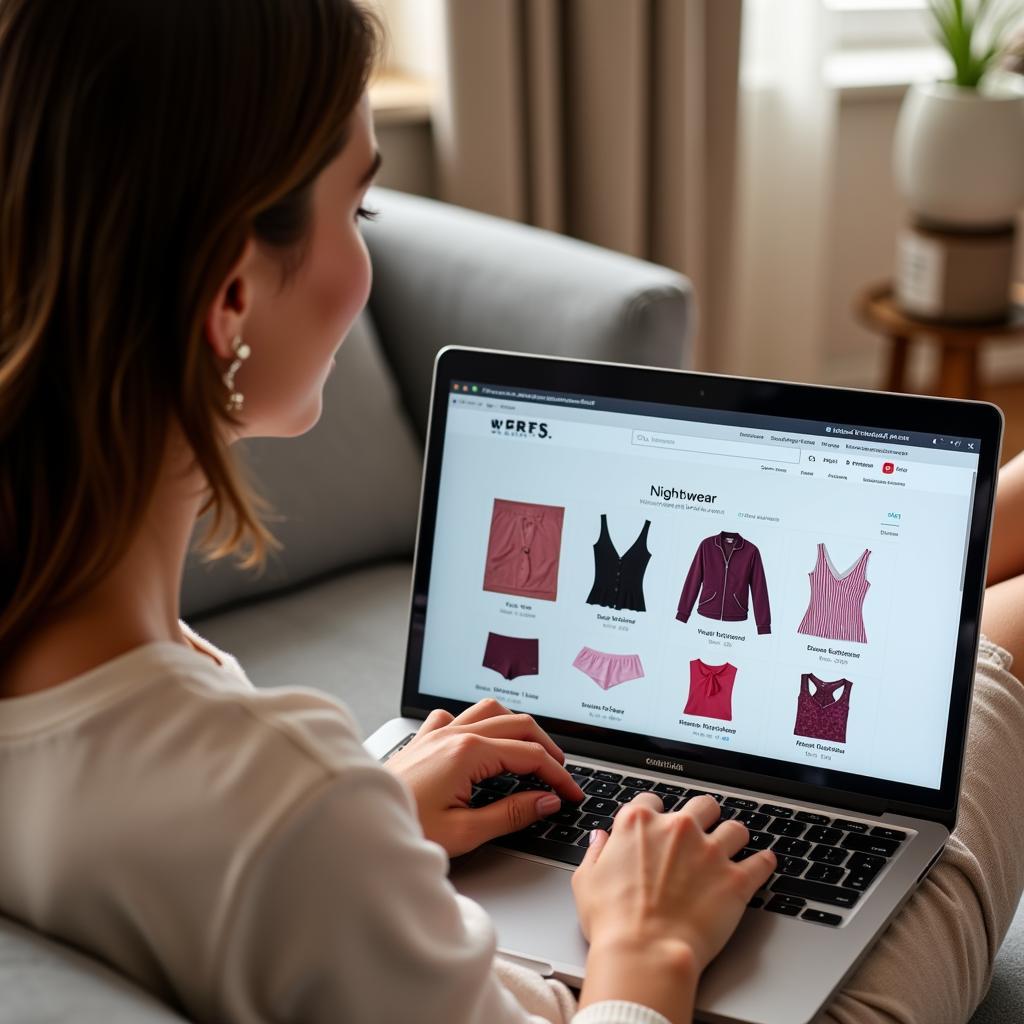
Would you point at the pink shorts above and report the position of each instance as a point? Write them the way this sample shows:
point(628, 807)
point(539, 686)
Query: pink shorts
point(523, 549)
point(608, 670)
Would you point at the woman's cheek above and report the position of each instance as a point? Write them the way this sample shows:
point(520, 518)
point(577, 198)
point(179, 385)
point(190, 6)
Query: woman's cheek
point(343, 286)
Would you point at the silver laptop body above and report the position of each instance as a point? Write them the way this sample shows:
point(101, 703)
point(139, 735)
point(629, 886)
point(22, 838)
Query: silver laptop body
point(808, 476)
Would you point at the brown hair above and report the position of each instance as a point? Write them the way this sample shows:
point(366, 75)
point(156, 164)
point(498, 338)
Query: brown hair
point(141, 145)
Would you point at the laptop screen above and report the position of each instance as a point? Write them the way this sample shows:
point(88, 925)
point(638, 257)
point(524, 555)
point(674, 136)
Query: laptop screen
point(781, 587)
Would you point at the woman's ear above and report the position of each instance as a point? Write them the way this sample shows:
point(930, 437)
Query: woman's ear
point(232, 304)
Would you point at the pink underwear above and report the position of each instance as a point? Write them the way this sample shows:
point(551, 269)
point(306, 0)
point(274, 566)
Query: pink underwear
point(608, 670)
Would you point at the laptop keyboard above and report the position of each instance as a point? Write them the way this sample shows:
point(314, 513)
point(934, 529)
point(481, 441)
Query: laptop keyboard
point(825, 861)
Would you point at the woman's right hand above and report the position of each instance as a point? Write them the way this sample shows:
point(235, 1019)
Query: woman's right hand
point(659, 897)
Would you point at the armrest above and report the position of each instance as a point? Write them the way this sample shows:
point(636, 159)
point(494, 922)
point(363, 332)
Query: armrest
point(444, 275)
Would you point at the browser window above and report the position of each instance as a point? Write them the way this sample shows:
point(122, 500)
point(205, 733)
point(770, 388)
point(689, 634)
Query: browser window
point(766, 585)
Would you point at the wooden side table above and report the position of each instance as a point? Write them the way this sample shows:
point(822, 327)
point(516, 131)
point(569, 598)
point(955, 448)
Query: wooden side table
point(959, 345)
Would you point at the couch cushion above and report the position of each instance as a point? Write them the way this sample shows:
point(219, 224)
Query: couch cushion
point(344, 635)
point(1005, 999)
point(42, 981)
point(348, 491)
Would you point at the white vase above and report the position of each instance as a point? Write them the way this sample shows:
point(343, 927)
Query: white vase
point(958, 154)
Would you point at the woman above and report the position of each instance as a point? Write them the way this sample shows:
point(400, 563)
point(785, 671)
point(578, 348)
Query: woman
point(179, 255)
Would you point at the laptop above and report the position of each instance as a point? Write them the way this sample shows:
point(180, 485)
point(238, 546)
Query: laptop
point(765, 591)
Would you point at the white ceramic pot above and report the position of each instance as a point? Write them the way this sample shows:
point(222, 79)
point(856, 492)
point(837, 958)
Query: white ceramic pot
point(958, 154)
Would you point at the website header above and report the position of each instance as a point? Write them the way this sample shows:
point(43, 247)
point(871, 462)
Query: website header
point(874, 439)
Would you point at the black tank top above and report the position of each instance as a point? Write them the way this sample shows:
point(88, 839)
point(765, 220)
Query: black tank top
point(619, 582)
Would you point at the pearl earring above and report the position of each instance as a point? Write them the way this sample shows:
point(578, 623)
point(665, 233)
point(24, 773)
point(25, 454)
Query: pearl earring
point(242, 352)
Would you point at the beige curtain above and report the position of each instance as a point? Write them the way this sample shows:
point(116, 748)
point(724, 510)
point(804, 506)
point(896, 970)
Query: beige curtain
point(610, 120)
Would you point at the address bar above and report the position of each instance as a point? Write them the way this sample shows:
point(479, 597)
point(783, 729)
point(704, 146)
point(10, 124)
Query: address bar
point(710, 446)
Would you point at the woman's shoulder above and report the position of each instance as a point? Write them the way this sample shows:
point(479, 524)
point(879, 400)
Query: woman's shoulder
point(166, 703)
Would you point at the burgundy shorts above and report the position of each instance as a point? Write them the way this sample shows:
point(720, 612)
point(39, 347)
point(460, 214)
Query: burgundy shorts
point(512, 656)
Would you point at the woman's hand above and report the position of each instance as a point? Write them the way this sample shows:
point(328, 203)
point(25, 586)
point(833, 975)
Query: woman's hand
point(449, 754)
point(658, 899)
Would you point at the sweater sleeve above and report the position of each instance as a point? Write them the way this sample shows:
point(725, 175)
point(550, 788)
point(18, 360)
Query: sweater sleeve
point(345, 912)
point(759, 595)
point(691, 588)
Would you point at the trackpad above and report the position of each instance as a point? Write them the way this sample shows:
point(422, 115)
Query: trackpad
point(531, 905)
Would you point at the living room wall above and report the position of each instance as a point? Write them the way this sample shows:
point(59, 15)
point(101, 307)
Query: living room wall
point(866, 215)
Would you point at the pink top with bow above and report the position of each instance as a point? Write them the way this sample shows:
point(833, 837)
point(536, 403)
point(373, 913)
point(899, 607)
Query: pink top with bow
point(710, 690)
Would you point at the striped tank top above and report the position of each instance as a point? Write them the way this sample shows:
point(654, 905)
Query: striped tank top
point(836, 608)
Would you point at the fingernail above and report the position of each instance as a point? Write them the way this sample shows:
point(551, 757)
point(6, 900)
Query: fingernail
point(592, 838)
point(548, 804)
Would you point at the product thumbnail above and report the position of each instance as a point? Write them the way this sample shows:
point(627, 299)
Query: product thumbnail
point(523, 549)
point(512, 656)
point(710, 690)
point(608, 670)
point(819, 715)
point(728, 575)
point(619, 581)
point(835, 610)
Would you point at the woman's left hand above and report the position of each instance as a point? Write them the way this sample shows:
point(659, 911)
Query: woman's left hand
point(449, 754)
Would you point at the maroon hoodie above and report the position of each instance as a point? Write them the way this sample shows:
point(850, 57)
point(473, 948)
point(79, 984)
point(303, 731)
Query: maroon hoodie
point(724, 568)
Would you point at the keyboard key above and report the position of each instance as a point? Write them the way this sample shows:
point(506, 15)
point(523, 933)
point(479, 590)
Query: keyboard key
point(561, 852)
point(865, 864)
point(760, 840)
point(755, 902)
point(868, 844)
point(859, 882)
point(850, 826)
point(754, 821)
point(785, 827)
point(525, 784)
point(826, 836)
point(563, 834)
point(635, 782)
point(790, 847)
point(483, 797)
point(818, 891)
point(812, 819)
point(532, 782)
point(744, 854)
point(776, 810)
point(791, 866)
point(668, 803)
point(607, 776)
point(499, 784)
point(538, 828)
point(580, 780)
point(597, 805)
point(725, 814)
point(828, 855)
point(667, 787)
point(821, 917)
point(566, 816)
point(889, 833)
point(601, 787)
point(780, 905)
point(588, 822)
point(579, 769)
point(740, 803)
point(828, 873)
point(628, 793)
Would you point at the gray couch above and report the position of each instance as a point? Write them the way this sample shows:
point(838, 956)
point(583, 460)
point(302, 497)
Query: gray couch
point(331, 609)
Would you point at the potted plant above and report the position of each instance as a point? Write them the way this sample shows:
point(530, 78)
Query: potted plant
point(959, 163)
point(959, 146)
